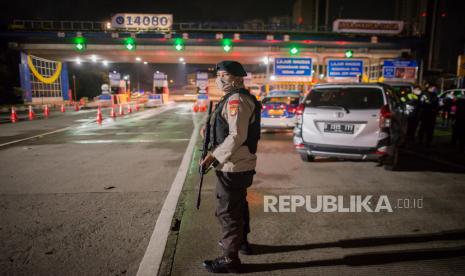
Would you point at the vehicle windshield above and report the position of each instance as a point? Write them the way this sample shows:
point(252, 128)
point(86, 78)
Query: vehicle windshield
point(281, 100)
point(347, 98)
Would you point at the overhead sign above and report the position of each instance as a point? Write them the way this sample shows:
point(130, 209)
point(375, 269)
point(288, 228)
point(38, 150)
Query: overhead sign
point(368, 26)
point(400, 69)
point(345, 68)
point(293, 67)
point(142, 21)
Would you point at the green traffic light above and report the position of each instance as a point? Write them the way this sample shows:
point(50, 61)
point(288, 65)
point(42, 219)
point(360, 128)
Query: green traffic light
point(79, 43)
point(179, 44)
point(227, 44)
point(349, 54)
point(294, 51)
point(130, 43)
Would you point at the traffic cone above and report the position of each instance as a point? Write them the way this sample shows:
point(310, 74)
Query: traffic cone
point(46, 111)
point(62, 109)
point(76, 107)
point(99, 115)
point(137, 106)
point(196, 108)
point(113, 113)
point(129, 109)
point(121, 110)
point(14, 116)
point(32, 115)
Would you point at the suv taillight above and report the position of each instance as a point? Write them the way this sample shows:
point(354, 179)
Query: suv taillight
point(300, 109)
point(385, 117)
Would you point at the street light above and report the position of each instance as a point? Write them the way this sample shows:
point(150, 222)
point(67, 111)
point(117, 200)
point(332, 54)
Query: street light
point(93, 58)
point(181, 59)
point(105, 62)
point(78, 60)
point(145, 62)
point(138, 59)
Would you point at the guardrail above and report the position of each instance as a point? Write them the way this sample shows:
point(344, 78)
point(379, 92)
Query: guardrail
point(98, 26)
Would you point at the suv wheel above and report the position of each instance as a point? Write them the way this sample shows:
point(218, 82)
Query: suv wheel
point(307, 157)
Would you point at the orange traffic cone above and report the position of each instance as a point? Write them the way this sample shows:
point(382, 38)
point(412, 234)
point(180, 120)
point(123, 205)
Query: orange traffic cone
point(62, 109)
point(99, 115)
point(121, 110)
point(113, 113)
point(14, 116)
point(129, 109)
point(76, 107)
point(137, 106)
point(32, 115)
point(46, 111)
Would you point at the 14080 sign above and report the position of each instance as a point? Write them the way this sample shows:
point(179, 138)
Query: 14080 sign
point(142, 21)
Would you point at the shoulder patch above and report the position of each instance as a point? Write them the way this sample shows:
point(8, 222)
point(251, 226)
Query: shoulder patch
point(232, 102)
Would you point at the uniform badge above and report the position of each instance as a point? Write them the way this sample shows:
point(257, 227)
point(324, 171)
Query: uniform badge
point(233, 107)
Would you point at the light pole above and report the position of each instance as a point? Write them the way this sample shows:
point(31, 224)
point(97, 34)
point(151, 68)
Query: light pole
point(74, 87)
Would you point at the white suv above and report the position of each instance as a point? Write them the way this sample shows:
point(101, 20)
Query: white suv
point(351, 121)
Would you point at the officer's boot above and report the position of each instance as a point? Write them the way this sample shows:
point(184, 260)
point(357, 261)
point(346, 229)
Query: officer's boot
point(245, 248)
point(223, 264)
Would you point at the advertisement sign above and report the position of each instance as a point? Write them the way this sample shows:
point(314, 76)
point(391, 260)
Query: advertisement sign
point(142, 21)
point(345, 68)
point(400, 69)
point(293, 67)
point(368, 26)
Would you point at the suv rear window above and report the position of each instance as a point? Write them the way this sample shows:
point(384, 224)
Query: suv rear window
point(351, 98)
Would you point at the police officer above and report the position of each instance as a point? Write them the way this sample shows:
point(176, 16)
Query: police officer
point(458, 131)
point(411, 102)
point(235, 132)
point(428, 106)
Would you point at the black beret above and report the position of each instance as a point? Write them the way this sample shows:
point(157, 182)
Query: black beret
point(232, 67)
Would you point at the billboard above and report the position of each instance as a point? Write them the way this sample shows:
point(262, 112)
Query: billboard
point(142, 21)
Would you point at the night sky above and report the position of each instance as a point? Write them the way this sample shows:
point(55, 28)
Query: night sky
point(183, 10)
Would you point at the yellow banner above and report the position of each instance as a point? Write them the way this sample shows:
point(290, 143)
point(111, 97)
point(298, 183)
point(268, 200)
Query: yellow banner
point(47, 80)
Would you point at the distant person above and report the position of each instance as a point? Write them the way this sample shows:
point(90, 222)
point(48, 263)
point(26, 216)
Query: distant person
point(446, 110)
point(412, 102)
point(428, 108)
point(458, 131)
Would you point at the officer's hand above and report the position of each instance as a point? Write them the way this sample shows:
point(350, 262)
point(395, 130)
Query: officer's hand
point(207, 161)
point(202, 132)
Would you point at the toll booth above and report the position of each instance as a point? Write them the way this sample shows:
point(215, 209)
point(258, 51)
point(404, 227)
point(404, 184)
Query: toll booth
point(160, 91)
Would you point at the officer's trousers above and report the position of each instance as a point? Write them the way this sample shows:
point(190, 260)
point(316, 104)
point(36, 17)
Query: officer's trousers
point(232, 209)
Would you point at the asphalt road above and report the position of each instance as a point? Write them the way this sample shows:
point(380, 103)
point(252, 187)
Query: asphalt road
point(84, 201)
point(413, 241)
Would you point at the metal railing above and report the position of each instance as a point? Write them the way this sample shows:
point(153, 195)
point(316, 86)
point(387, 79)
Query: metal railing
point(98, 26)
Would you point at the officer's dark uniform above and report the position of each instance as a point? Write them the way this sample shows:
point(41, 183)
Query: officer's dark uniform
point(235, 132)
point(458, 131)
point(428, 109)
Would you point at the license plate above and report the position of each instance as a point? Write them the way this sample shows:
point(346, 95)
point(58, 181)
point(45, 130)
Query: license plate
point(339, 128)
point(274, 112)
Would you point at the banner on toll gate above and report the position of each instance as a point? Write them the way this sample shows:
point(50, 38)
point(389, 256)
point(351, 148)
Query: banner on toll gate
point(345, 68)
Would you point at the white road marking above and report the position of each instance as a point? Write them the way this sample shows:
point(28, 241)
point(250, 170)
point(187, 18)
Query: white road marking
point(151, 261)
point(143, 115)
point(35, 136)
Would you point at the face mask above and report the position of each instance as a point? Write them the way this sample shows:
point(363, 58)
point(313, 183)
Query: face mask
point(416, 91)
point(222, 85)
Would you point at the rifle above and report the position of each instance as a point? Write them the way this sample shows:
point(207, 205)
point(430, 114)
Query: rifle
point(206, 143)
